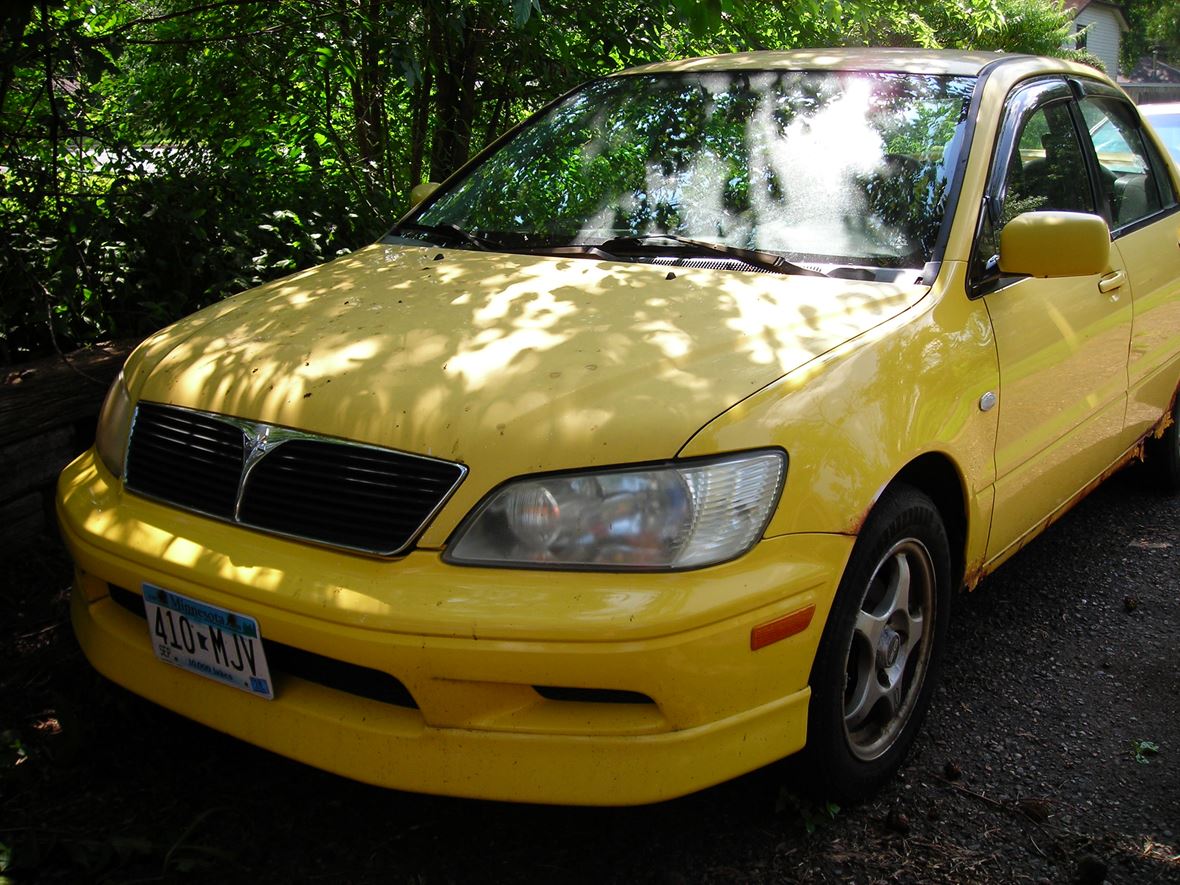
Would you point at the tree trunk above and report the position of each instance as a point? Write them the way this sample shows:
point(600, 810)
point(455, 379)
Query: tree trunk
point(456, 42)
point(368, 96)
point(419, 124)
point(14, 20)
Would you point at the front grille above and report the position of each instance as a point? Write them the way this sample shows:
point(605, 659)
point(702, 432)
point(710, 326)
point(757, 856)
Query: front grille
point(354, 679)
point(185, 458)
point(284, 481)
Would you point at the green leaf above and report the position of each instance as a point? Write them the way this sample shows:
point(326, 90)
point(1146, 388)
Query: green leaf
point(238, 144)
point(1143, 749)
point(522, 10)
point(128, 847)
point(701, 16)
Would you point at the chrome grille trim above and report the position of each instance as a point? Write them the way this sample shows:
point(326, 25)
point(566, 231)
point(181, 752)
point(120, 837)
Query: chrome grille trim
point(330, 491)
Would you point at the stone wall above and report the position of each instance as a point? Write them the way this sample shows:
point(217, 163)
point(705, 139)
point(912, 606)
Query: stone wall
point(47, 418)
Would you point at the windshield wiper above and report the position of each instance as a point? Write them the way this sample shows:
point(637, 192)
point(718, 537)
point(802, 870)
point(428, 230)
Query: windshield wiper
point(752, 257)
point(453, 232)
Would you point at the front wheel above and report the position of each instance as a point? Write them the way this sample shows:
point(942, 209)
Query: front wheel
point(879, 656)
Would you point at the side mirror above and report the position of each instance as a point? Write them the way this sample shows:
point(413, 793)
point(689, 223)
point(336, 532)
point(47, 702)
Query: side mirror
point(1055, 244)
point(421, 191)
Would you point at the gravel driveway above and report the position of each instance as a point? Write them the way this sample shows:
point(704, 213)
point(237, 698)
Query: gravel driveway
point(1052, 754)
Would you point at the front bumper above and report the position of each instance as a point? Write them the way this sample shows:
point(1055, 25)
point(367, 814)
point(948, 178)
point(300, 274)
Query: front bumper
point(474, 648)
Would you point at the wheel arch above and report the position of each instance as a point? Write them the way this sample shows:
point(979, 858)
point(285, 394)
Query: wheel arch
point(936, 475)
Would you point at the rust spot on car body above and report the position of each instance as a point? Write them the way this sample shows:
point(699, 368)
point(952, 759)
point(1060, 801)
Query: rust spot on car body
point(1135, 453)
point(973, 574)
point(858, 521)
point(1167, 421)
point(976, 571)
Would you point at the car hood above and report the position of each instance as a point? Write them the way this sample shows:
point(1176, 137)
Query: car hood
point(507, 363)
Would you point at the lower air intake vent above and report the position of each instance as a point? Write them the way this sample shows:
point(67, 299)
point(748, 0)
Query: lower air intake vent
point(591, 695)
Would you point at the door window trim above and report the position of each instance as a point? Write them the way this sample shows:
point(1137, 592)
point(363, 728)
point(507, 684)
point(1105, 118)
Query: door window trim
point(1023, 100)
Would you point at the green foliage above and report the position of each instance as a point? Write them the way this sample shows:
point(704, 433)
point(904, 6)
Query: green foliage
point(1144, 750)
point(156, 158)
point(812, 814)
point(12, 751)
point(1155, 28)
point(128, 258)
point(130, 200)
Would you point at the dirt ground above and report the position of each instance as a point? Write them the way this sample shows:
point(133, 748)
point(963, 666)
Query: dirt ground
point(1052, 754)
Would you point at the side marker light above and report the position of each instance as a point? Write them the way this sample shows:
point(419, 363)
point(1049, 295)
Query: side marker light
point(780, 628)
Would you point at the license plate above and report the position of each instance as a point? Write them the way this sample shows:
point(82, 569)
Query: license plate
point(207, 640)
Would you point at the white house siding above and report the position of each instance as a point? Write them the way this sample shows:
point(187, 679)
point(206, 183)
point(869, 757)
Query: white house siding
point(1102, 38)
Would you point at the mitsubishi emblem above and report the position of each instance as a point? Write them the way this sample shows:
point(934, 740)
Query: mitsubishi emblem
point(257, 444)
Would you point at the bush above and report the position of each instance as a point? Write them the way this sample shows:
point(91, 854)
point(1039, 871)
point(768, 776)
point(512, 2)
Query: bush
point(148, 241)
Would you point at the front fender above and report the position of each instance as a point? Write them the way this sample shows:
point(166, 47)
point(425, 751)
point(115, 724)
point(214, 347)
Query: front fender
point(852, 419)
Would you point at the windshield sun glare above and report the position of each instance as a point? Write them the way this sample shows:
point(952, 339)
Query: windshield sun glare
point(818, 166)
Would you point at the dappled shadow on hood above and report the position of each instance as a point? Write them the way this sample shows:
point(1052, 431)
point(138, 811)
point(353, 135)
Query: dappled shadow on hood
point(465, 355)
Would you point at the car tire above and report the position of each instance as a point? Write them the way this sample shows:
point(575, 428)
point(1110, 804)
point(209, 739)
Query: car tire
point(1163, 454)
point(879, 656)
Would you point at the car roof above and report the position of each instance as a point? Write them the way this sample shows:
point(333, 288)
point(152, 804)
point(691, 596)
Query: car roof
point(923, 61)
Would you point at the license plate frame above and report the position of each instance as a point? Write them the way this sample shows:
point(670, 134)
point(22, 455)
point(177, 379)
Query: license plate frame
point(208, 640)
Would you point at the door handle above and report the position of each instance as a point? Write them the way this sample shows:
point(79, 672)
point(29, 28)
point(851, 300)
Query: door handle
point(1113, 281)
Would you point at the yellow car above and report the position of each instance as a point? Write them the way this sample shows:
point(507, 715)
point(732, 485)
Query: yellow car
point(651, 446)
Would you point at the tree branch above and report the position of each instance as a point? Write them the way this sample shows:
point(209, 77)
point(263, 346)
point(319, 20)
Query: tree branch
point(54, 112)
point(199, 41)
point(341, 148)
point(15, 20)
point(192, 10)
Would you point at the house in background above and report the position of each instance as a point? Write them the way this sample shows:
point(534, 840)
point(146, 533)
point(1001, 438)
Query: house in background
point(1103, 24)
point(1152, 81)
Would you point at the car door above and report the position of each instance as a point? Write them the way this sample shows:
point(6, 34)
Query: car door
point(1140, 198)
point(1061, 343)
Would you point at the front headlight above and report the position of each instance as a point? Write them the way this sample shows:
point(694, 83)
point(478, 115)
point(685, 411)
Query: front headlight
point(674, 516)
point(114, 424)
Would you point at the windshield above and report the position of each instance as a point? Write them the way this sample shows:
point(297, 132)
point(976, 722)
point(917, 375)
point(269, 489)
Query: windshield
point(824, 167)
